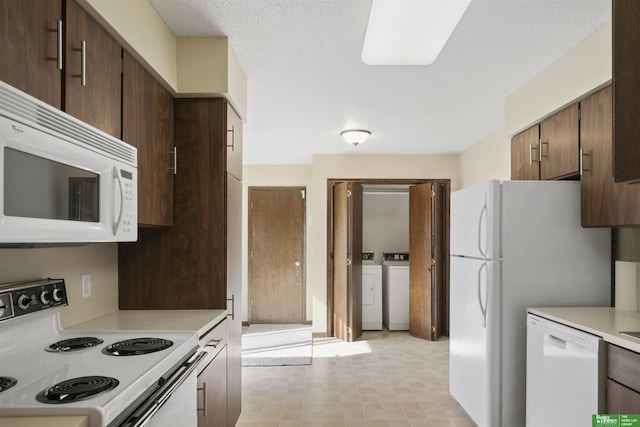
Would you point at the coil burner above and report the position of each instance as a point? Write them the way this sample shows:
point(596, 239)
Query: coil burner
point(137, 346)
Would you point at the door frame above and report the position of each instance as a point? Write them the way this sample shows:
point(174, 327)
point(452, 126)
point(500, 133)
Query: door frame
point(385, 181)
point(305, 321)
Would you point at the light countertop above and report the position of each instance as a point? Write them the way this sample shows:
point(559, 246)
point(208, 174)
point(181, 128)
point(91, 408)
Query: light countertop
point(606, 322)
point(199, 321)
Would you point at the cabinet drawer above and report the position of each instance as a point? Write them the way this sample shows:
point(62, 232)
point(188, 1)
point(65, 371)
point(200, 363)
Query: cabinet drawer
point(215, 339)
point(624, 366)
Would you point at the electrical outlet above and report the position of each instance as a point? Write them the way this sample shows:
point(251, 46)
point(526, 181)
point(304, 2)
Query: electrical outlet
point(86, 286)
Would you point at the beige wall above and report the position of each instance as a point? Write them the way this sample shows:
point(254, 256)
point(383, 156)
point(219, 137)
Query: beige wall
point(385, 222)
point(186, 66)
point(584, 69)
point(69, 263)
point(487, 159)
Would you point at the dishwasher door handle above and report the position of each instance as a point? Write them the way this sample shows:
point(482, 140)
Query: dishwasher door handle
point(557, 342)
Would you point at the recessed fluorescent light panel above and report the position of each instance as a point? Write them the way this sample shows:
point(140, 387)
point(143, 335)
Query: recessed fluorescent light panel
point(410, 32)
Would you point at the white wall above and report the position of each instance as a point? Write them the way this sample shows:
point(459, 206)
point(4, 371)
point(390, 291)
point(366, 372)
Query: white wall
point(385, 222)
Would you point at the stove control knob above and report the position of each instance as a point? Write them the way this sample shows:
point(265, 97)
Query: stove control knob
point(57, 294)
point(45, 297)
point(24, 301)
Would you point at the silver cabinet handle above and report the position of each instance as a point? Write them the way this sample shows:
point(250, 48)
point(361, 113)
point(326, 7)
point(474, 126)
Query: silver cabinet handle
point(213, 343)
point(233, 138)
point(83, 63)
point(582, 169)
point(545, 142)
point(83, 76)
point(60, 44)
point(175, 160)
point(204, 399)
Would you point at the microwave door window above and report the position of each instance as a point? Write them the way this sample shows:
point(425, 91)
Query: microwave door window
point(35, 187)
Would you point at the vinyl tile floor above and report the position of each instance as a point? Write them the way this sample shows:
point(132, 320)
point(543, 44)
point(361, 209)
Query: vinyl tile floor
point(383, 379)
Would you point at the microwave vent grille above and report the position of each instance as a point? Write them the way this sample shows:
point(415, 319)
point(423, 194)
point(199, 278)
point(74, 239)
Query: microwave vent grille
point(30, 111)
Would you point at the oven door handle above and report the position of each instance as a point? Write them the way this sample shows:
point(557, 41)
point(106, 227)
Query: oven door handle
point(144, 414)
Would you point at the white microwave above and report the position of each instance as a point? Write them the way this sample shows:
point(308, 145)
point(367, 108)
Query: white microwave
point(62, 181)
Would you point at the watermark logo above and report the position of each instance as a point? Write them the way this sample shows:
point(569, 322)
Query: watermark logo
point(605, 420)
point(615, 420)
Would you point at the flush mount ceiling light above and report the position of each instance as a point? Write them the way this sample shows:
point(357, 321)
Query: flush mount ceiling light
point(410, 32)
point(355, 136)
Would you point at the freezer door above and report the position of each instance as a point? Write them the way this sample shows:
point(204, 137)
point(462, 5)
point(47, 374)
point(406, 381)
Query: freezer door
point(474, 367)
point(475, 221)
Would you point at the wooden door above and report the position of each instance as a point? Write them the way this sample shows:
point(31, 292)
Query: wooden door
point(559, 142)
point(147, 124)
point(604, 203)
point(426, 263)
point(30, 46)
point(93, 84)
point(525, 162)
point(276, 254)
point(347, 260)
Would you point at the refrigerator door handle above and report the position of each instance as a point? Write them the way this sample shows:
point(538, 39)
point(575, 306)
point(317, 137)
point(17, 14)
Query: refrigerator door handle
point(483, 306)
point(483, 214)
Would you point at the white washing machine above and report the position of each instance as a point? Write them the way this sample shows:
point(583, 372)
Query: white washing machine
point(395, 295)
point(371, 296)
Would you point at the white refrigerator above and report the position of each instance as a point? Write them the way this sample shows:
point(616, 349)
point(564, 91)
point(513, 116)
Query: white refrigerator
point(514, 244)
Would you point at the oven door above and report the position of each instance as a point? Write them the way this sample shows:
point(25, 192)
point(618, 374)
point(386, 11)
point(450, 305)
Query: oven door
point(173, 402)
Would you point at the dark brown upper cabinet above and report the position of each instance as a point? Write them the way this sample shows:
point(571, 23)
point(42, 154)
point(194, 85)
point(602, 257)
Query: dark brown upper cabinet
point(43, 44)
point(93, 72)
point(147, 124)
point(626, 90)
point(605, 203)
point(559, 144)
point(31, 47)
point(525, 158)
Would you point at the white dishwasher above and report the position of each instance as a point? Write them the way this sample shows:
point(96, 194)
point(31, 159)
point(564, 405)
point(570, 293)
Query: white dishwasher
point(566, 374)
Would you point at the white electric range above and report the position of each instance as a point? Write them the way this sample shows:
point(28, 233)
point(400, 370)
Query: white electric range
point(117, 378)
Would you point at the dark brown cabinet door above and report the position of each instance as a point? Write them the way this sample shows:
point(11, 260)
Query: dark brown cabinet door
point(147, 124)
point(426, 264)
point(93, 67)
point(559, 144)
point(621, 399)
point(30, 47)
point(234, 143)
point(626, 90)
point(604, 203)
point(525, 164)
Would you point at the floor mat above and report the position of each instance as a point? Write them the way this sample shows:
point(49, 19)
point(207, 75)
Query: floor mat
point(277, 345)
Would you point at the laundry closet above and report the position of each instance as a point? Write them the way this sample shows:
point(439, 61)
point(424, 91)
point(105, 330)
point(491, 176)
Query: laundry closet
point(385, 257)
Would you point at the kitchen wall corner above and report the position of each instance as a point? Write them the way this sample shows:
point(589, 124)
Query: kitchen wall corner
point(69, 263)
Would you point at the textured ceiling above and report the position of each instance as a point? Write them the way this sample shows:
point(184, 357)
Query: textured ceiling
point(307, 82)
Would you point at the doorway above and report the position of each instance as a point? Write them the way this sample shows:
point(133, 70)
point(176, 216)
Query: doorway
point(429, 248)
point(277, 255)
